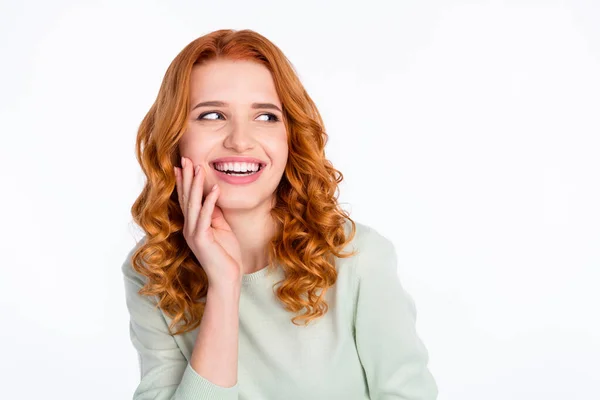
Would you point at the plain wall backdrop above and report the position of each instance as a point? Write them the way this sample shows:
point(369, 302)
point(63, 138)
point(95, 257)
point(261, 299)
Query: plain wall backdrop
point(467, 133)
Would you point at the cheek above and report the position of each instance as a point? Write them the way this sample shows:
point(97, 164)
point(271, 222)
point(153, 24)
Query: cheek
point(197, 147)
point(197, 136)
point(278, 151)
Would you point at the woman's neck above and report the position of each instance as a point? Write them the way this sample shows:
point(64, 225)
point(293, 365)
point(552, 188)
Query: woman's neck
point(254, 230)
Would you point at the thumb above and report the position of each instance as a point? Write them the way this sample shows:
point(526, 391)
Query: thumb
point(218, 220)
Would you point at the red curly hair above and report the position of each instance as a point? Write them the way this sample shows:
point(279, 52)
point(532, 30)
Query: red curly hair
point(312, 223)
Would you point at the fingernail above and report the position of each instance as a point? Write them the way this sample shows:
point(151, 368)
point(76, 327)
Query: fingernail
point(197, 169)
point(213, 188)
point(182, 161)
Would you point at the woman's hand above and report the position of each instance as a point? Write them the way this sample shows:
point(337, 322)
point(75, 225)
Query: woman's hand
point(205, 230)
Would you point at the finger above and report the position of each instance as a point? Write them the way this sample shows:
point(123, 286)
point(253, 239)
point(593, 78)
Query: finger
point(195, 200)
point(207, 209)
point(187, 175)
point(178, 185)
point(218, 220)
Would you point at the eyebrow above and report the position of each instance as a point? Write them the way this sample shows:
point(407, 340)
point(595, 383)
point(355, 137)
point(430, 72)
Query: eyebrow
point(223, 104)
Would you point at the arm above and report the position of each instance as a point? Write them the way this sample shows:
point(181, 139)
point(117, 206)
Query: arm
point(393, 357)
point(215, 354)
point(165, 373)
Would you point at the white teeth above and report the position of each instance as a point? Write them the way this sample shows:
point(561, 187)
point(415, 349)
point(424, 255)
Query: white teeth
point(237, 167)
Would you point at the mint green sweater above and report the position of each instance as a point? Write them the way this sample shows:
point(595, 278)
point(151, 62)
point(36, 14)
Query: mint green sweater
point(365, 347)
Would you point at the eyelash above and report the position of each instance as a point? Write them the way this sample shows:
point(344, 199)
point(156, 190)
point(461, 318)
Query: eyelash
point(275, 117)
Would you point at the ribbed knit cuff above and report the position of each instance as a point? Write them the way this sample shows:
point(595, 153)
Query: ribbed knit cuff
point(193, 386)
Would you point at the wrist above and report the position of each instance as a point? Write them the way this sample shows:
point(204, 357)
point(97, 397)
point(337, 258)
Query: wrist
point(225, 291)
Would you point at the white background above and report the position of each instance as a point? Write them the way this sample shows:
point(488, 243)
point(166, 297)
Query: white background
point(467, 132)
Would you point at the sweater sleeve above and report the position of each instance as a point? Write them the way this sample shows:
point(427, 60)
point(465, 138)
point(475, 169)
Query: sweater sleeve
point(393, 357)
point(165, 374)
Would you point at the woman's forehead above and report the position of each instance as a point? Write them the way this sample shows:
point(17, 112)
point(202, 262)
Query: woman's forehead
point(232, 81)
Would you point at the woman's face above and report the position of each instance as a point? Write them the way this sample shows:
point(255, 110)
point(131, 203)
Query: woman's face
point(235, 112)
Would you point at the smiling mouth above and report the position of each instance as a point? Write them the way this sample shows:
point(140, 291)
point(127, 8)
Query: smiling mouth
point(237, 173)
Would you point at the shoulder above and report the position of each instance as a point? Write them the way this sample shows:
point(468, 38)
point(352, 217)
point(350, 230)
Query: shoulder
point(374, 251)
point(127, 265)
point(371, 245)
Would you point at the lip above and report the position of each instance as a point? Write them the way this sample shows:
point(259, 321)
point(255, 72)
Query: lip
point(238, 180)
point(239, 159)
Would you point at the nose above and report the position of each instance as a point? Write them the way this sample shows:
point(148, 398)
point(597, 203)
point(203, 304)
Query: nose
point(239, 138)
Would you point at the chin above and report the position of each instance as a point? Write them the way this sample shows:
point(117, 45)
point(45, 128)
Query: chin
point(233, 202)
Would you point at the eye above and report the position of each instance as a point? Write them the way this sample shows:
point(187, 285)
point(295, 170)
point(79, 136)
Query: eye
point(214, 115)
point(201, 116)
point(273, 116)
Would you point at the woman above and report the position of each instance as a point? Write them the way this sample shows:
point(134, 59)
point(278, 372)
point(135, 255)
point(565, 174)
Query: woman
point(243, 231)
